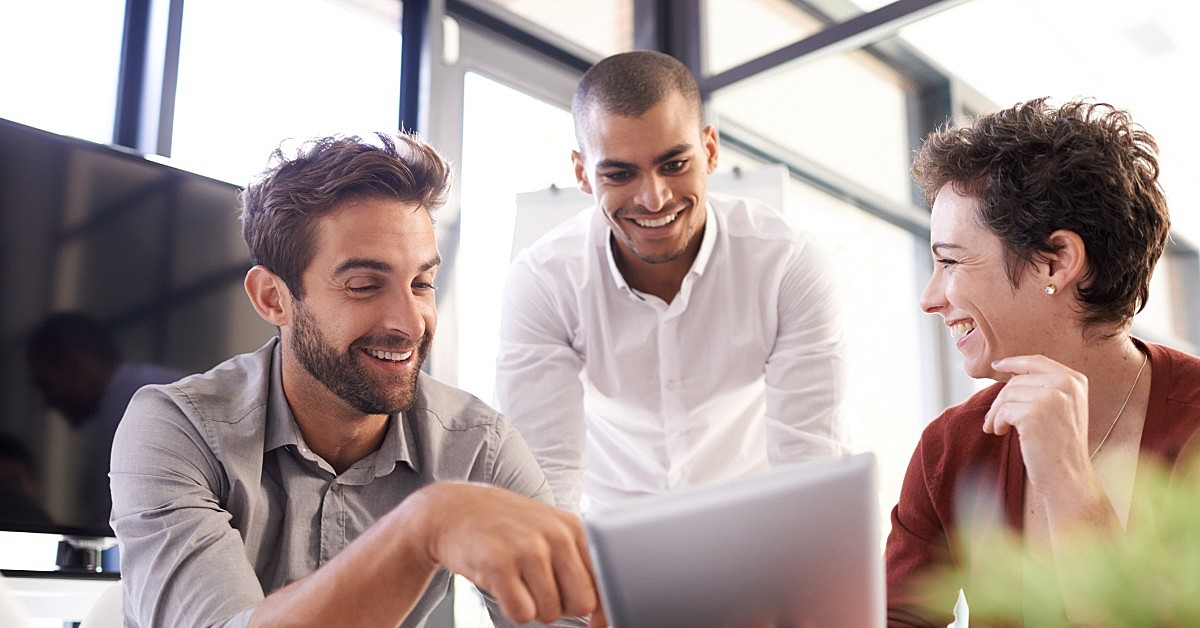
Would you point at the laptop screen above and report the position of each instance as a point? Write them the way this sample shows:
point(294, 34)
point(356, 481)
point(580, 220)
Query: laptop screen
point(796, 546)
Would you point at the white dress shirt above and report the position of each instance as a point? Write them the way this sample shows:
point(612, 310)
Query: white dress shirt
point(671, 395)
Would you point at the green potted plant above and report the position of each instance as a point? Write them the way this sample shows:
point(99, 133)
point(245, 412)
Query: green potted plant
point(1149, 576)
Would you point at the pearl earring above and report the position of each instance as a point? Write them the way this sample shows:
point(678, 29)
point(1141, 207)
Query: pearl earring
point(1050, 289)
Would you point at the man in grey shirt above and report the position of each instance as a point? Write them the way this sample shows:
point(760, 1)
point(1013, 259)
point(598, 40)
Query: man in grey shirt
point(324, 479)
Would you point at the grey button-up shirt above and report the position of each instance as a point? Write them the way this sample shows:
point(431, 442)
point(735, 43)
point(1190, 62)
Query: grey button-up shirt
point(217, 500)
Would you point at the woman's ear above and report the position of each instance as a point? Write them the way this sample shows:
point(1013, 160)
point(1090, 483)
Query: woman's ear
point(1067, 263)
point(269, 295)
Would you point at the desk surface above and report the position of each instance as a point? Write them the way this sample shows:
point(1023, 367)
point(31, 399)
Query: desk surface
point(46, 596)
point(60, 599)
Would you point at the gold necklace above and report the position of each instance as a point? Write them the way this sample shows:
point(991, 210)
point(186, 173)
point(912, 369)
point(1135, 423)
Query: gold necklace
point(1126, 402)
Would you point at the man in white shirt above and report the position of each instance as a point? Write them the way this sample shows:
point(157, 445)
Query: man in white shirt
point(669, 338)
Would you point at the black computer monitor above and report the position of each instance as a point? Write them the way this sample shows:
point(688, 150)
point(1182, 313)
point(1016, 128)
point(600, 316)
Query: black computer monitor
point(152, 252)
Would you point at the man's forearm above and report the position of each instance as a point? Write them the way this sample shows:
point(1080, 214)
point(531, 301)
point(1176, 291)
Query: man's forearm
point(374, 581)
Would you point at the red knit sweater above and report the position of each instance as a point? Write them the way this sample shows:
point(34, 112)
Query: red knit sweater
point(957, 463)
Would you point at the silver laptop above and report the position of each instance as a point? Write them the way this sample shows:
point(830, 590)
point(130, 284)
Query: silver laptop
point(797, 546)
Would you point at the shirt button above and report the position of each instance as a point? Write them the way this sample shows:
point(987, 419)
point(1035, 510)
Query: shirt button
point(336, 488)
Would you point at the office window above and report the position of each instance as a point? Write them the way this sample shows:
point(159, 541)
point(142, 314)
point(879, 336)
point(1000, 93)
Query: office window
point(254, 72)
point(602, 27)
point(737, 31)
point(845, 112)
point(495, 169)
point(1170, 313)
point(60, 65)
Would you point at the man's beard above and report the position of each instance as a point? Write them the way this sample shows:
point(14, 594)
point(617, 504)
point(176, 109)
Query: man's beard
point(343, 373)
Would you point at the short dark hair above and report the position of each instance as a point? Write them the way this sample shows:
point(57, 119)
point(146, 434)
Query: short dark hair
point(280, 210)
point(1084, 167)
point(630, 83)
point(70, 332)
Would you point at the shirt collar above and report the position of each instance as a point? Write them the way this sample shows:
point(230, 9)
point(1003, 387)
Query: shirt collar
point(281, 425)
point(707, 243)
point(282, 429)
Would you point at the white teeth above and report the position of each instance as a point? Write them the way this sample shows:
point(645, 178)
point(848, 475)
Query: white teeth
point(657, 222)
point(962, 329)
point(391, 356)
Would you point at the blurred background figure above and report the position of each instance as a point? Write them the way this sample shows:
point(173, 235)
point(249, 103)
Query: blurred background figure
point(79, 369)
point(20, 503)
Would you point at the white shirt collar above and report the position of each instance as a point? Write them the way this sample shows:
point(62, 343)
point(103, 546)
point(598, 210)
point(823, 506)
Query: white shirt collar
point(707, 243)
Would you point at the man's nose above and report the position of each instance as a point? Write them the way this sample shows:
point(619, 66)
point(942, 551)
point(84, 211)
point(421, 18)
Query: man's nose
point(653, 194)
point(406, 315)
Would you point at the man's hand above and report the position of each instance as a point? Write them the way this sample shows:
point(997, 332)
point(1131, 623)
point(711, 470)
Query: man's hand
point(531, 557)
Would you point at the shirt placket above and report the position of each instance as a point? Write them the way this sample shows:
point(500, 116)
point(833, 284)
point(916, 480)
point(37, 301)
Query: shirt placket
point(674, 409)
point(333, 520)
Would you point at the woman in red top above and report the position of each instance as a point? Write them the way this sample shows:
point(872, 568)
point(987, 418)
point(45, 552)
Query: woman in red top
point(1046, 225)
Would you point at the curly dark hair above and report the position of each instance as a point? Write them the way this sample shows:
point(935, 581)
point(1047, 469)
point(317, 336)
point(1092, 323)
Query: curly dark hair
point(280, 210)
point(1084, 167)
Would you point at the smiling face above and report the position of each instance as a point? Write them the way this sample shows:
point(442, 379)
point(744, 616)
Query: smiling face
point(649, 176)
point(969, 288)
point(367, 317)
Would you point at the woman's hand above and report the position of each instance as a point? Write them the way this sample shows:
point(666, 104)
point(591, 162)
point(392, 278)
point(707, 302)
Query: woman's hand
point(1047, 403)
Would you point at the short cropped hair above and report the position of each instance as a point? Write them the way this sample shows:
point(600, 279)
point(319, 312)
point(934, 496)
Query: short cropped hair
point(630, 83)
point(1084, 167)
point(281, 209)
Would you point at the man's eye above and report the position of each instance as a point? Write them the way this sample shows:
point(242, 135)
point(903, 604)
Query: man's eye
point(675, 165)
point(424, 286)
point(946, 262)
point(362, 289)
point(616, 177)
